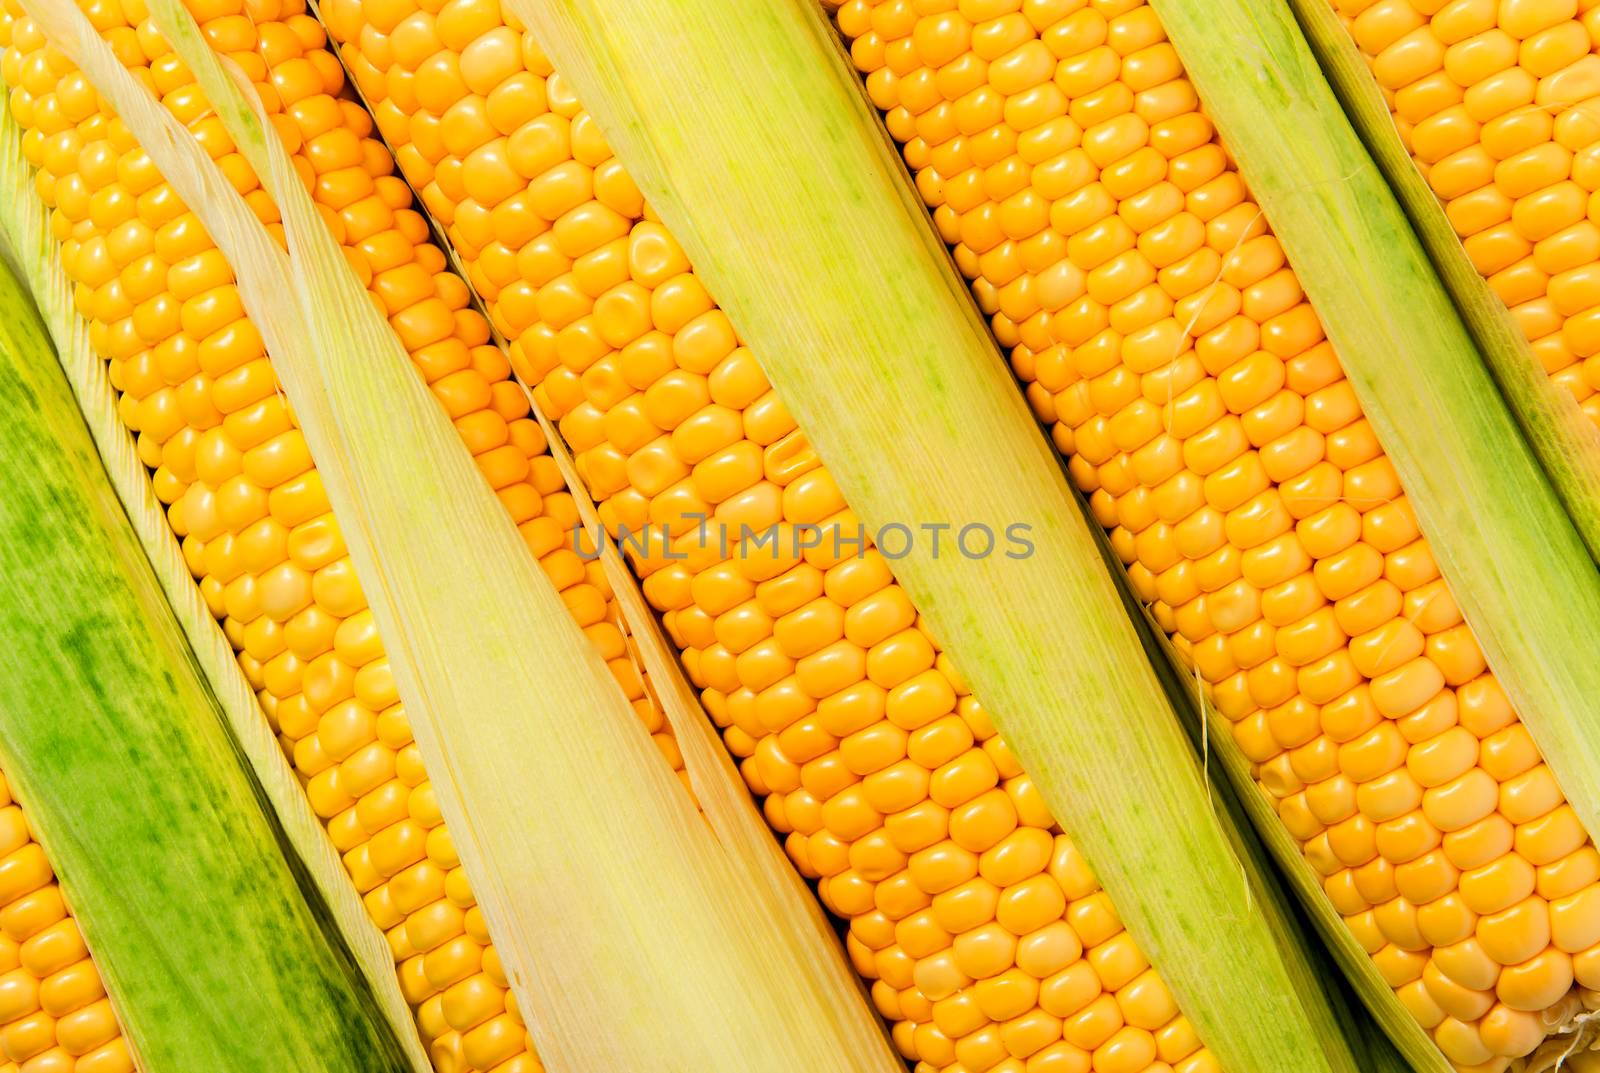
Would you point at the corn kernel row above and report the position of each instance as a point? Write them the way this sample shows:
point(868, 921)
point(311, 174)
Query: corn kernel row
point(198, 390)
point(989, 943)
point(1168, 346)
point(54, 1013)
point(1499, 105)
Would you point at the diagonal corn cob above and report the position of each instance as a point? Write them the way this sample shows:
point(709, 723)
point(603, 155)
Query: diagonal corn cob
point(817, 665)
point(1170, 351)
point(198, 390)
point(1531, 315)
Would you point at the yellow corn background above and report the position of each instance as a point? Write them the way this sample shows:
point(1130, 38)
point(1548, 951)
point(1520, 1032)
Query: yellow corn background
point(1162, 339)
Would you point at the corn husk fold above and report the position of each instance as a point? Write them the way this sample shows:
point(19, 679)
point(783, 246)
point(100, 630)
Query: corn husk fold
point(635, 931)
point(783, 190)
point(111, 739)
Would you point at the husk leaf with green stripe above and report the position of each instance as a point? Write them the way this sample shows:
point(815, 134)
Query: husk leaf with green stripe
point(36, 256)
point(177, 874)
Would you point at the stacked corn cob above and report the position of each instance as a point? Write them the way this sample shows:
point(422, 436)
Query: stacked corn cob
point(1163, 339)
point(1500, 108)
point(966, 881)
point(988, 940)
point(54, 1013)
point(1170, 350)
point(198, 390)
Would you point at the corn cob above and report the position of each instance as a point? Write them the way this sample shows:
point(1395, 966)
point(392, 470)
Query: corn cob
point(198, 391)
point(669, 418)
point(1498, 107)
point(54, 1013)
point(1170, 351)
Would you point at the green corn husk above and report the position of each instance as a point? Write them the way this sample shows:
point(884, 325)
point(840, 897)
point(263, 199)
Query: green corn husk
point(794, 209)
point(1566, 442)
point(213, 955)
point(36, 256)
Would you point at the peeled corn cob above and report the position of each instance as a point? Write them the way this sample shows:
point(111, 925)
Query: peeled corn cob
point(199, 392)
point(1498, 106)
point(1169, 349)
point(54, 1013)
point(670, 418)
